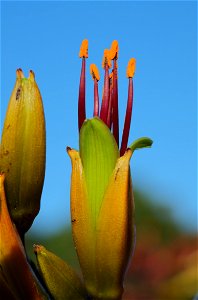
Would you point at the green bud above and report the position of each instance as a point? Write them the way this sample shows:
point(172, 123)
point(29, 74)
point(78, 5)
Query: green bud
point(61, 280)
point(23, 151)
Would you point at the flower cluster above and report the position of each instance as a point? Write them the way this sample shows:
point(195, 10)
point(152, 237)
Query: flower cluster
point(102, 205)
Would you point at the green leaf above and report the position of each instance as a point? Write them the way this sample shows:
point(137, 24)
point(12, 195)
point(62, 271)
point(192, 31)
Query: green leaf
point(99, 153)
point(143, 142)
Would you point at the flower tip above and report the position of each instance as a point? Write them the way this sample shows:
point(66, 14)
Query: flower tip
point(94, 72)
point(31, 75)
point(114, 50)
point(128, 152)
point(37, 248)
point(106, 58)
point(68, 149)
point(131, 68)
point(19, 73)
point(84, 49)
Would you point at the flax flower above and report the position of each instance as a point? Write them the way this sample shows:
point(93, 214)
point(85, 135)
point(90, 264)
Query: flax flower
point(102, 205)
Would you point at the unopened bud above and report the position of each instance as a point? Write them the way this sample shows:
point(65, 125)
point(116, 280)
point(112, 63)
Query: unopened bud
point(22, 153)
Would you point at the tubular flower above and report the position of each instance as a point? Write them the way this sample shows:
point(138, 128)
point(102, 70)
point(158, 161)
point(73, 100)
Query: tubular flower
point(102, 206)
point(22, 151)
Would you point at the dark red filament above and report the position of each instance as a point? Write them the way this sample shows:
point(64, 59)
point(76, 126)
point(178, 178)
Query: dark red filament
point(115, 116)
point(109, 116)
point(81, 98)
point(128, 115)
point(96, 98)
point(105, 99)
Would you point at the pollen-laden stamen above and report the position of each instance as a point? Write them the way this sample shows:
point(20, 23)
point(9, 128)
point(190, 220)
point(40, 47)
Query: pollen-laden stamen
point(106, 59)
point(96, 77)
point(84, 49)
point(114, 50)
point(94, 72)
point(131, 68)
point(105, 99)
point(81, 99)
point(127, 123)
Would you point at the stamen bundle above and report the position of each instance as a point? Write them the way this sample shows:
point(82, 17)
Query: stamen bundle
point(108, 112)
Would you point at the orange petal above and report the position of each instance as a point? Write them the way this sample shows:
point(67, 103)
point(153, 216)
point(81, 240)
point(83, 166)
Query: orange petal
point(82, 227)
point(13, 260)
point(115, 231)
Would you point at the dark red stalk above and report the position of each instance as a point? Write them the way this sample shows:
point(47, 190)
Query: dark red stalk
point(109, 116)
point(105, 99)
point(81, 98)
point(127, 123)
point(96, 98)
point(115, 118)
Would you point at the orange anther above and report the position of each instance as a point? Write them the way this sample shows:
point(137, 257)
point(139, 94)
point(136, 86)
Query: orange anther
point(131, 68)
point(114, 50)
point(84, 49)
point(94, 72)
point(106, 58)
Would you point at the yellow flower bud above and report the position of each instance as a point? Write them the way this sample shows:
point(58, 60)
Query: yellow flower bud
point(101, 210)
point(22, 153)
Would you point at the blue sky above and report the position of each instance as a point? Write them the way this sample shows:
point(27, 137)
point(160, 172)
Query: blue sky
point(46, 36)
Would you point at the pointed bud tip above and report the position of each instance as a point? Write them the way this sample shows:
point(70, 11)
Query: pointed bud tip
point(31, 75)
point(68, 149)
point(19, 73)
point(131, 67)
point(127, 154)
point(38, 248)
point(84, 49)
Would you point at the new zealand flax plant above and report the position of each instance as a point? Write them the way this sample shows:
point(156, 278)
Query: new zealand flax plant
point(102, 204)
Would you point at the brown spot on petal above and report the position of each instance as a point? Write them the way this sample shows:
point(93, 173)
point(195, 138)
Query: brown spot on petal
point(116, 173)
point(18, 93)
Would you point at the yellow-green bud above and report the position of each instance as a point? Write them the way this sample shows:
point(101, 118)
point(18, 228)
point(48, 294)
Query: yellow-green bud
point(102, 210)
point(61, 280)
point(23, 151)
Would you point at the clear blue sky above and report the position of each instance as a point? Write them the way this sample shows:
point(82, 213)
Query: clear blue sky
point(46, 36)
